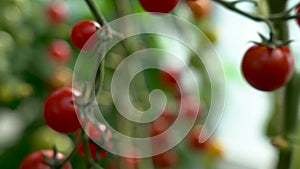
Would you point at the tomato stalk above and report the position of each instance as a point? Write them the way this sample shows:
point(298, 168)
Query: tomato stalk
point(102, 21)
point(70, 156)
point(232, 6)
point(278, 28)
point(291, 93)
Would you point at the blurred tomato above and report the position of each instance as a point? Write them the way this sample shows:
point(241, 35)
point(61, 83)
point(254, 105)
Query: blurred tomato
point(200, 8)
point(60, 51)
point(57, 12)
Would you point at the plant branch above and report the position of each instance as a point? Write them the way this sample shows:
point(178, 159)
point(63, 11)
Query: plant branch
point(70, 156)
point(232, 6)
point(97, 14)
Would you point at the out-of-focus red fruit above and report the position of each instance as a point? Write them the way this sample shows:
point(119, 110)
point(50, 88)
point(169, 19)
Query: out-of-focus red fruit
point(169, 78)
point(168, 159)
point(192, 108)
point(200, 8)
point(96, 152)
point(193, 138)
point(57, 12)
point(60, 51)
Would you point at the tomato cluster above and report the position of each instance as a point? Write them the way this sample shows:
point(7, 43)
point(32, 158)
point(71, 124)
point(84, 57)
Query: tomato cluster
point(266, 67)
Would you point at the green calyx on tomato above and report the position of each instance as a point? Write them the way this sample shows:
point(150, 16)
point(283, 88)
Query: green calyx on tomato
point(271, 42)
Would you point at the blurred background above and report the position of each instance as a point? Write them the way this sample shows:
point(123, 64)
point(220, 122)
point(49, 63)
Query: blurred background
point(30, 69)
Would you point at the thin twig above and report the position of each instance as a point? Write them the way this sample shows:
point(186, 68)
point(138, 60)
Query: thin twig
point(97, 14)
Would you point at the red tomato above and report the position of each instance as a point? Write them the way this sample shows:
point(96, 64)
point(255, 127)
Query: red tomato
point(268, 69)
point(159, 126)
point(59, 111)
point(60, 51)
point(37, 161)
point(193, 139)
point(132, 163)
point(82, 32)
point(95, 151)
point(57, 11)
point(168, 159)
point(95, 131)
point(190, 110)
point(162, 123)
point(159, 6)
point(169, 78)
point(200, 8)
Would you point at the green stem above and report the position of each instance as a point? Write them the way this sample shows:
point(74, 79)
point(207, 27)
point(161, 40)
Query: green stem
point(232, 6)
point(290, 120)
point(97, 14)
point(291, 95)
point(102, 21)
point(70, 156)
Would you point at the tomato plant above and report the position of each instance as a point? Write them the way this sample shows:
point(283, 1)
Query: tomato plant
point(159, 6)
point(267, 68)
point(82, 32)
point(36, 160)
point(59, 111)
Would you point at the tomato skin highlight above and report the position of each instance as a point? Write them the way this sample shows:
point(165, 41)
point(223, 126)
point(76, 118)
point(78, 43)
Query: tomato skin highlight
point(159, 6)
point(82, 32)
point(268, 69)
point(36, 160)
point(59, 111)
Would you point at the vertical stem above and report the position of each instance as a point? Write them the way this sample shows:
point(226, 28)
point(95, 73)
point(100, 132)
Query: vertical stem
point(291, 95)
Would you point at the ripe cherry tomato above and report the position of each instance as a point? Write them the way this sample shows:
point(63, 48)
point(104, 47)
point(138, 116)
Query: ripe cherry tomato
point(159, 6)
point(57, 11)
point(168, 159)
point(200, 8)
point(268, 69)
point(37, 161)
point(193, 139)
point(95, 151)
point(60, 51)
point(59, 111)
point(82, 32)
